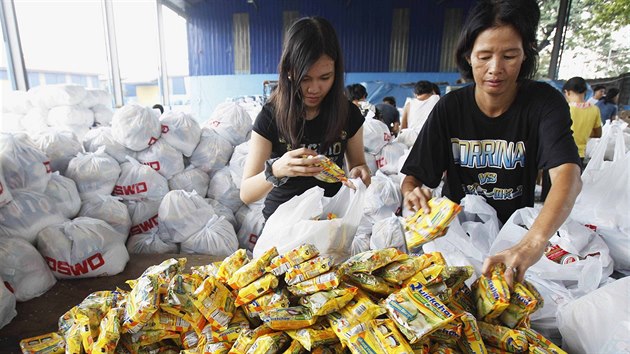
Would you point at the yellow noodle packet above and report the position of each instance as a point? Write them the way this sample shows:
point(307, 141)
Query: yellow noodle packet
point(372, 283)
point(308, 270)
point(289, 318)
point(144, 338)
point(417, 312)
point(188, 313)
point(448, 334)
point(50, 343)
point(331, 172)
point(494, 350)
point(491, 295)
point(163, 271)
point(432, 266)
point(316, 335)
point(537, 340)
point(72, 337)
point(109, 332)
point(462, 300)
point(142, 303)
point(522, 304)
point(352, 318)
point(179, 300)
point(259, 287)
point(253, 270)
point(470, 341)
point(295, 348)
point(422, 228)
point(504, 338)
point(167, 321)
point(422, 347)
point(324, 302)
point(231, 264)
point(336, 348)
point(247, 338)
point(207, 270)
point(282, 263)
point(190, 339)
point(213, 348)
point(399, 271)
point(215, 302)
point(238, 324)
point(441, 348)
point(369, 261)
point(379, 336)
point(279, 298)
point(455, 276)
point(326, 281)
point(269, 343)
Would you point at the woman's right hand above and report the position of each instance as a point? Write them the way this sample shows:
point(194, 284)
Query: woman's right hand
point(418, 198)
point(296, 163)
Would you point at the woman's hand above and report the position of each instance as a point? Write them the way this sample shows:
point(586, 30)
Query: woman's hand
point(418, 198)
point(296, 163)
point(517, 259)
point(361, 171)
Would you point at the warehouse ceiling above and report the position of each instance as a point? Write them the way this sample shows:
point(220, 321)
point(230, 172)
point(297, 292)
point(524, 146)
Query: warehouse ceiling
point(181, 6)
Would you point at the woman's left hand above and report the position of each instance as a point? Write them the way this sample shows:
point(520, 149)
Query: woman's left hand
point(361, 171)
point(517, 259)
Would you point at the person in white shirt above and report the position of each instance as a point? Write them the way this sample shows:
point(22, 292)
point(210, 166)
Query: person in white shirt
point(417, 110)
point(599, 91)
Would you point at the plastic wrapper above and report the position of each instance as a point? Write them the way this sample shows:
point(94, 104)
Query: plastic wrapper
point(180, 300)
point(397, 272)
point(324, 302)
point(142, 303)
point(109, 332)
point(336, 348)
point(536, 340)
point(491, 295)
point(319, 334)
point(295, 348)
point(461, 300)
point(501, 337)
point(259, 287)
point(247, 338)
point(417, 312)
point(352, 318)
point(471, 341)
point(207, 270)
point(454, 277)
point(326, 281)
point(215, 302)
point(308, 270)
point(269, 343)
point(167, 321)
point(372, 283)
point(238, 324)
point(144, 338)
point(369, 261)
point(380, 336)
point(331, 172)
point(275, 300)
point(282, 263)
point(231, 264)
point(252, 270)
point(449, 334)
point(50, 343)
point(295, 317)
point(441, 348)
point(522, 304)
point(422, 228)
point(213, 348)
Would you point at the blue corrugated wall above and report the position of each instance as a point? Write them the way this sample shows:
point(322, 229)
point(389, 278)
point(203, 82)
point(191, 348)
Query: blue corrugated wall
point(364, 29)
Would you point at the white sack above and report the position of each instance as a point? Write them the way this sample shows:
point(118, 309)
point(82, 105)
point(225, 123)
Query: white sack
point(136, 127)
point(7, 305)
point(382, 197)
point(216, 238)
point(163, 158)
point(388, 233)
point(15, 101)
point(556, 296)
point(370, 161)
point(70, 116)
point(191, 179)
point(35, 120)
point(232, 122)
point(183, 214)
point(49, 96)
point(83, 248)
point(212, 153)
point(149, 243)
point(27, 214)
point(143, 214)
point(5, 194)
point(407, 137)
point(138, 181)
point(24, 269)
point(102, 136)
point(222, 210)
point(376, 134)
point(598, 322)
point(94, 173)
point(60, 146)
point(109, 209)
point(181, 131)
point(223, 190)
point(64, 194)
point(103, 115)
point(387, 159)
point(95, 97)
point(11, 122)
point(24, 165)
point(251, 222)
point(237, 163)
point(360, 244)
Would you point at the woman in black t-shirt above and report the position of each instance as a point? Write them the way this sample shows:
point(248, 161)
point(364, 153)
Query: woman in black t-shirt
point(307, 115)
point(492, 137)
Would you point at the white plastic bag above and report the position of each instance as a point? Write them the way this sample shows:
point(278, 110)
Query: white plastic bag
point(216, 238)
point(109, 209)
point(183, 214)
point(103, 115)
point(5, 194)
point(94, 173)
point(136, 127)
point(143, 214)
point(222, 210)
point(7, 305)
point(598, 322)
point(102, 136)
point(60, 146)
point(83, 248)
point(382, 198)
point(181, 131)
point(212, 153)
point(408, 137)
point(138, 181)
point(303, 219)
point(237, 163)
point(163, 158)
point(49, 96)
point(64, 194)
point(23, 269)
point(251, 221)
point(24, 165)
point(150, 243)
point(556, 296)
point(35, 120)
point(370, 161)
point(376, 134)
point(360, 244)
point(96, 97)
point(223, 190)
point(15, 101)
point(232, 122)
point(27, 214)
point(387, 159)
point(70, 116)
point(388, 233)
point(191, 179)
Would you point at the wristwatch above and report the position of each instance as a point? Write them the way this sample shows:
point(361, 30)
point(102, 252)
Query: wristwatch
point(277, 182)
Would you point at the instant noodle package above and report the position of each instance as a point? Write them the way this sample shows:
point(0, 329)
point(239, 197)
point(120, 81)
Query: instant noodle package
point(379, 301)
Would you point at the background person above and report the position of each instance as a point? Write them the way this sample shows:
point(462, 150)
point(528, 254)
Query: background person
point(599, 91)
point(493, 136)
point(585, 116)
point(307, 115)
point(608, 105)
point(416, 110)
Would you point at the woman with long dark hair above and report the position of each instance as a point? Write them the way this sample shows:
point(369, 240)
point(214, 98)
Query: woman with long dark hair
point(608, 105)
point(307, 115)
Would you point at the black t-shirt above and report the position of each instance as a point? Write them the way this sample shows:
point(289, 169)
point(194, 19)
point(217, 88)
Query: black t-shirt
point(314, 131)
point(497, 158)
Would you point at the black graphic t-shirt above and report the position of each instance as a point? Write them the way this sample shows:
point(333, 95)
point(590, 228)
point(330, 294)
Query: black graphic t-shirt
point(497, 158)
point(314, 131)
